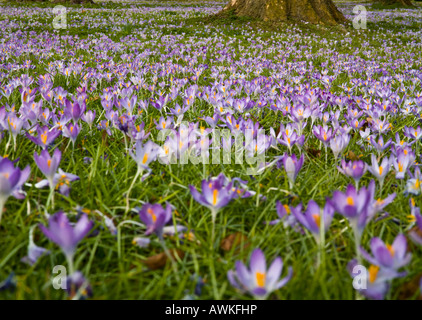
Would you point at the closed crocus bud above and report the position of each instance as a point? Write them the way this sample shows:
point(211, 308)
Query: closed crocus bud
point(292, 165)
point(89, 117)
point(11, 181)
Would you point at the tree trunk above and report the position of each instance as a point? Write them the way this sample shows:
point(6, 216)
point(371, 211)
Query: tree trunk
point(405, 3)
point(313, 11)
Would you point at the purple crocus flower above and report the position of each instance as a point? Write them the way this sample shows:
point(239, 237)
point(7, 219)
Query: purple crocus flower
point(71, 131)
point(216, 194)
point(414, 235)
point(380, 145)
point(45, 136)
point(34, 252)
point(48, 165)
point(324, 134)
point(388, 256)
point(284, 215)
point(258, 280)
point(61, 232)
point(339, 143)
point(379, 171)
point(311, 219)
point(89, 117)
point(353, 169)
point(155, 218)
point(354, 205)
point(78, 287)
point(292, 165)
point(11, 181)
point(61, 182)
point(401, 163)
point(379, 279)
point(144, 154)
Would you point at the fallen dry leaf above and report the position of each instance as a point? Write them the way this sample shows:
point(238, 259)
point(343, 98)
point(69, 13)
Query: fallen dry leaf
point(408, 289)
point(314, 152)
point(352, 156)
point(234, 241)
point(158, 261)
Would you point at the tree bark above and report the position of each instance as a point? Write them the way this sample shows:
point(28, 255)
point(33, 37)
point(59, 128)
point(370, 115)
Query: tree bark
point(313, 11)
point(405, 3)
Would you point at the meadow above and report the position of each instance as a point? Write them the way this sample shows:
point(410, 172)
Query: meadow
point(157, 153)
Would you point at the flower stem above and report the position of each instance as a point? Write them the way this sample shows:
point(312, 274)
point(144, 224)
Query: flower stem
point(51, 196)
point(138, 172)
point(213, 216)
point(173, 261)
point(69, 258)
point(357, 244)
point(1, 208)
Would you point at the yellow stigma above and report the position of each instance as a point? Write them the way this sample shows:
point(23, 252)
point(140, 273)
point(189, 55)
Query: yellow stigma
point(350, 201)
point(49, 163)
point(380, 170)
point(373, 272)
point(153, 216)
point(317, 219)
point(400, 167)
point(145, 159)
point(391, 249)
point(260, 279)
point(214, 197)
point(44, 138)
point(286, 207)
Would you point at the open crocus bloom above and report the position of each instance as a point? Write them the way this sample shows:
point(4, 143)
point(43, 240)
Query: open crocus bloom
point(388, 256)
point(258, 280)
point(376, 280)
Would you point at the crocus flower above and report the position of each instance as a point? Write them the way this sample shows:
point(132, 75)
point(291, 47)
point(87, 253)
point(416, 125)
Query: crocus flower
point(379, 171)
point(215, 193)
point(414, 234)
point(258, 280)
point(141, 242)
point(48, 165)
point(284, 215)
point(379, 279)
point(354, 205)
point(61, 232)
point(353, 169)
point(11, 181)
point(71, 131)
point(78, 287)
point(339, 143)
point(144, 154)
point(155, 217)
point(292, 165)
point(89, 117)
point(388, 256)
point(45, 136)
point(61, 182)
point(401, 163)
point(9, 283)
point(34, 252)
point(314, 220)
point(324, 134)
point(380, 145)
